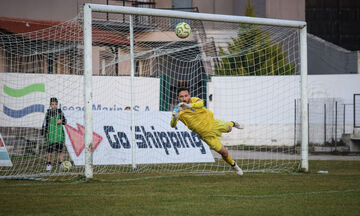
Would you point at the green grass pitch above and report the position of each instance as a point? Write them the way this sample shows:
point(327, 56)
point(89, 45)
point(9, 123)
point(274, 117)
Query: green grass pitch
point(335, 193)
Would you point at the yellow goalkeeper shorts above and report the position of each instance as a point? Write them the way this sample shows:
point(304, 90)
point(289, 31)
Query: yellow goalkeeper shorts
point(212, 138)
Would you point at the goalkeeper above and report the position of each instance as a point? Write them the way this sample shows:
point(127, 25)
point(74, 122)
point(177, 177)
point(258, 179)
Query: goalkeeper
point(196, 117)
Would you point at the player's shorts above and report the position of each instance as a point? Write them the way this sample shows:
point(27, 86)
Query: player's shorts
point(212, 138)
point(58, 147)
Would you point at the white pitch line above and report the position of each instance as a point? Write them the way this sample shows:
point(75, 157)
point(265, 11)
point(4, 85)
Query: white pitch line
point(287, 194)
point(50, 183)
point(189, 195)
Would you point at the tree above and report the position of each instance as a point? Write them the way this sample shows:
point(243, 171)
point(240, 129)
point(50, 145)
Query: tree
point(252, 52)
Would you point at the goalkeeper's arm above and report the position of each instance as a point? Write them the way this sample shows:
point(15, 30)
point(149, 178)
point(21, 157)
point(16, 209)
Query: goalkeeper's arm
point(174, 119)
point(196, 105)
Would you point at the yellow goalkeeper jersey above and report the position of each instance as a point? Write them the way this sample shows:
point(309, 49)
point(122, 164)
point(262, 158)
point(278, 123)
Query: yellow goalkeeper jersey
point(198, 118)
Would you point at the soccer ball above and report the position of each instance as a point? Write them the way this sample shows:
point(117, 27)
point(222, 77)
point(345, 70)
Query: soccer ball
point(183, 30)
point(66, 165)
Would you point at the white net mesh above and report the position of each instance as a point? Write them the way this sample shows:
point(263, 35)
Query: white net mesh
point(244, 73)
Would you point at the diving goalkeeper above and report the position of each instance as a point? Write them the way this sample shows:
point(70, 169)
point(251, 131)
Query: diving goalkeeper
point(196, 117)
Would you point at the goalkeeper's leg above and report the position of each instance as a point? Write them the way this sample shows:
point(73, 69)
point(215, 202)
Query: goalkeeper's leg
point(234, 124)
point(226, 127)
point(214, 143)
point(226, 156)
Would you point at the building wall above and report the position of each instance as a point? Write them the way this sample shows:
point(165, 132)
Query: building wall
point(68, 9)
point(286, 9)
point(48, 9)
point(279, 9)
point(327, 58)
point(277, 94)
point(163, 3)
point(229, 7)
point(39, 9)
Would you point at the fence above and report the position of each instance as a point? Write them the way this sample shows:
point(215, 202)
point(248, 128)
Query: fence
point(356, 107)
point(329, 119)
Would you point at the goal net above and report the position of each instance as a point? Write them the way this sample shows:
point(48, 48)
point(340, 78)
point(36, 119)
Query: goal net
point(245, 72)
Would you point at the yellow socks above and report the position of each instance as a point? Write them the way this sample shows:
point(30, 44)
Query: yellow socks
point(230, 123)
point(229, 160)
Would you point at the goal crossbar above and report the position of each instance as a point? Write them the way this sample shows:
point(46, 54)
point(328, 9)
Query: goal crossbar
point(192, 15)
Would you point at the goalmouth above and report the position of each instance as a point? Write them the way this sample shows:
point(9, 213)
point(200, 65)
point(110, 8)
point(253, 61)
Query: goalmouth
point(88, 9)
point(115, 72)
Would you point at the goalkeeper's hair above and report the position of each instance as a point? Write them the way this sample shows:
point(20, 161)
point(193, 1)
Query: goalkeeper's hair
point(182, 89)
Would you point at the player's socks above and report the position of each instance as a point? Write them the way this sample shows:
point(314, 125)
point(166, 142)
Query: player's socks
point(237, 125)
point(229, 160)
point(230, 123)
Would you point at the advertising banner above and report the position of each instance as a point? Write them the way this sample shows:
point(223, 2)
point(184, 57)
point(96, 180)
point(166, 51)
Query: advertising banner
point(4, 155)
point(155, 141)
point(24, 98)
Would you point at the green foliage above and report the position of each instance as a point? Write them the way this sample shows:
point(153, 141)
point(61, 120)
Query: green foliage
point(253, 53)
point(249, 11)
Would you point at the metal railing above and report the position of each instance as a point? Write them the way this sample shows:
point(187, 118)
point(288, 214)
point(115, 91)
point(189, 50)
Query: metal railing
point(356, 107)
point(329, 119)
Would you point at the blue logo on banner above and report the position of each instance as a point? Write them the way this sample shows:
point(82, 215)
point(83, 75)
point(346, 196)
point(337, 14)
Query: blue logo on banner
point(155, 139)
point(16, 93)
point(23, 112)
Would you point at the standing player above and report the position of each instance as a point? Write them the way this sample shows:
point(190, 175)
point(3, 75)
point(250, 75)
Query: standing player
point(54, 131)
point(196, 117)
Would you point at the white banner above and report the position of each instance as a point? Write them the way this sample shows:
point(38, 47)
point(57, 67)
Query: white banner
point(156, 142)
point(24, 98)
point(4, 155)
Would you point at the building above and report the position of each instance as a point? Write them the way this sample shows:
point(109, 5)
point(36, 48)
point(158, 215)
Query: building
point(346, 63)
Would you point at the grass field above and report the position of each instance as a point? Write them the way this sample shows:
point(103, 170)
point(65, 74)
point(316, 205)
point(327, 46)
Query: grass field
point(335, 193)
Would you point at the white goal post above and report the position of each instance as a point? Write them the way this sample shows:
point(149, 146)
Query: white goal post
point(87, 16)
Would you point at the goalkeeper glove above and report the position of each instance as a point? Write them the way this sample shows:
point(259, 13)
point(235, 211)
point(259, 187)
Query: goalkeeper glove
point(186, 106)
point(175, 115)
point(176, 112)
